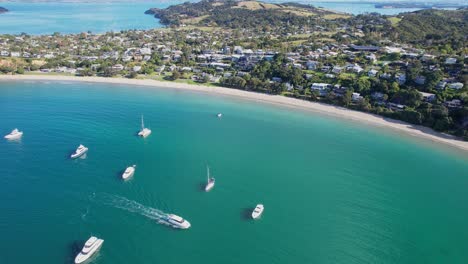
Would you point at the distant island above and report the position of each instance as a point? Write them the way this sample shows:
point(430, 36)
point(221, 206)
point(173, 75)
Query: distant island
point(3, 10)
point(241, 14)
point(418, 5)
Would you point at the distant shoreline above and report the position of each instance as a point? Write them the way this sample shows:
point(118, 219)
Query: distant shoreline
point(335, 111)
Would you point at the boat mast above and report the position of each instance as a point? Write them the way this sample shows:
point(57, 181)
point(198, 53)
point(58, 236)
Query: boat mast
point(142, 123)
point(208, 173)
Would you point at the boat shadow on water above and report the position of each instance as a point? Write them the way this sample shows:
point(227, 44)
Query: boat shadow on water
point(201, 186)
point(75, 248)
point(246, 213)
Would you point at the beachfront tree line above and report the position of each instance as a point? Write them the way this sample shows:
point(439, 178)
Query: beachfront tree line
point(417, 111)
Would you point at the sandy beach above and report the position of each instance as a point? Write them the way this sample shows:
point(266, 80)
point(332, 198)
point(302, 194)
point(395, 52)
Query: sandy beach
point(374, 120)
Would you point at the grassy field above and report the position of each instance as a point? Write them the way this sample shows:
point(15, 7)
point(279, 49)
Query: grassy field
point(335, 16)
point(394, 20)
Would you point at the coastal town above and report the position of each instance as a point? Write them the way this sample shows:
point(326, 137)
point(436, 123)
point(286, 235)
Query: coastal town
point(332, 59)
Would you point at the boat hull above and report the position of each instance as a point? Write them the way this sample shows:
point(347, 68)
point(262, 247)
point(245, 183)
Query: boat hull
point(82, 258)
point(129, 172)
point(209, 186)
point(77, 155)
point(15, 136)
point(257, 212)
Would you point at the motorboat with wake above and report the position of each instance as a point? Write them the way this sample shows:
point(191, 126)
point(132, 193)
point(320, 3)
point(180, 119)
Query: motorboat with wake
point(174, 221)
point(210, 181)
point(15, 134)
point(80, 151)
point(90, 247)
point(129, 172)
point(144, 132)
point(257, 212)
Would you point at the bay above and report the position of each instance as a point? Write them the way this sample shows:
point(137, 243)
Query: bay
point(334, 191)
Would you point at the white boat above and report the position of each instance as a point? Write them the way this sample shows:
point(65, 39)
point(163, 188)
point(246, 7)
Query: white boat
point(129, 172)
point(210, 181)
point(15, 134)
point(219, 115)
point(144, 132)
point(175, 221)
point(80, 151)
point(90, 247)
point(257, 212)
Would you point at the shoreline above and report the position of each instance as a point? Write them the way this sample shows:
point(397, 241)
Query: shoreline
point(335, 111)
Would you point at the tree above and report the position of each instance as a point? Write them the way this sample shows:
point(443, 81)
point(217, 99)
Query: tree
point(363, 85)
point(175, 75)
point(411, 116)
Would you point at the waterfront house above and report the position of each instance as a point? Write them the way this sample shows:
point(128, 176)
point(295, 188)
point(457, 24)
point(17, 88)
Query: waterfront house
point(356, 97)
point(118, 67)
point(322, 88)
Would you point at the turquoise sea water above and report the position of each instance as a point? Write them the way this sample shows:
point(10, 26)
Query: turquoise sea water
point(334, 191)
point(76, 17)
point(50, 17)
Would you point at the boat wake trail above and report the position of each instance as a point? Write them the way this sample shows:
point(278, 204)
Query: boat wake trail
point(134, 207)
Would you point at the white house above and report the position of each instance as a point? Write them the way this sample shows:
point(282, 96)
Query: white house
point(450, 61)
point(118, 67)
point(372, 73)
point(322, 88)
point(457, 85)
point(356, 97)
point(428, 97)
point(312, 65)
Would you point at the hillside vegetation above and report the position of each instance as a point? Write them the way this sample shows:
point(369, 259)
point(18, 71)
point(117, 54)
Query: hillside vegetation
point(237, 14)
point(432, 27)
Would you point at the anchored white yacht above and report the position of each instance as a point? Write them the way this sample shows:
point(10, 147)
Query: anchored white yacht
point(80, 151)
point(175, 221)
point(15, 134)
point(211, 181)
point(129, 172)
point(91, 246)
point(257, 212)
point(144, 132)
point(219, 115)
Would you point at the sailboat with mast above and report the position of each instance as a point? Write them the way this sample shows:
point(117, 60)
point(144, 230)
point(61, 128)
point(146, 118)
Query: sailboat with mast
point(144, 132)
point(210, 181)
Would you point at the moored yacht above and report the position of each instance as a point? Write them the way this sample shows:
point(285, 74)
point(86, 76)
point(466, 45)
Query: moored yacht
point(175, 221)
point(129, 172)
point(210, 181)
point(257, 212)
point(144, 132)
point(15, 134)
point(90, 247)
point(80, 151)
point(219, 115)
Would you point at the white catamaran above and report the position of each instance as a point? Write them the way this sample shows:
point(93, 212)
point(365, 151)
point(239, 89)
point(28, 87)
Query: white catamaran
point(210, 181)
point(144, 132)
